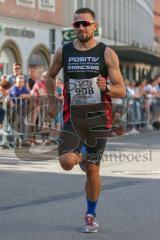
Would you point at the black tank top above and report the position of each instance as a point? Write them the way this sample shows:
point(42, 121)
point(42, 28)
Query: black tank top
point(81, 65)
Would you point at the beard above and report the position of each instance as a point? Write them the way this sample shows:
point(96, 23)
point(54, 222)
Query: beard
point(84, 39)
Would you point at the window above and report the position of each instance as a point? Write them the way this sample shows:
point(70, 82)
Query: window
point(47, 2)
point(26, 3)
point(48, 5)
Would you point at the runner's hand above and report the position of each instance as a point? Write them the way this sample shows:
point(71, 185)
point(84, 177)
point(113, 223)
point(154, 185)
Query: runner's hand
point(101, 83)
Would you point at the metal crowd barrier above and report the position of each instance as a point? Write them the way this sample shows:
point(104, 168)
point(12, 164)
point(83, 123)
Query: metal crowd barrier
point(23, 118)
point(143, 112)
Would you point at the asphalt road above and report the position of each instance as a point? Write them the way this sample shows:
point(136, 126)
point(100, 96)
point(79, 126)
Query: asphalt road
point(37, 205)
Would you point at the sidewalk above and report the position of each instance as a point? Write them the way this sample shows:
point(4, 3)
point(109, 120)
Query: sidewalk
point(125, 163)
point(120, 159)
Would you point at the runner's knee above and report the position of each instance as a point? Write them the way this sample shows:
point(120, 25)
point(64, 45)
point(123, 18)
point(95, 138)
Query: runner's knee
point(92, 169)
point(67, 161)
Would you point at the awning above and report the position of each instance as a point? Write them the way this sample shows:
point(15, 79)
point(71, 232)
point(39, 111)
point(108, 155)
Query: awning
point(137, 55)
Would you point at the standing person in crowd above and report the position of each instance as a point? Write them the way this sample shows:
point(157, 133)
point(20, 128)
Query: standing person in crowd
point(19, 89)
point(39, 91)
point(151, 93)
point(18, 94)
point(2, 115)
point(156, 122)
point(86, 64)
point(3, 77)
point(58, 122)
point(4, 85)
point(4, 92)
point(134, 106)
point(39, 88)
point(151, 88)
point(157, 78)
point(32, 78)
point(17, 70)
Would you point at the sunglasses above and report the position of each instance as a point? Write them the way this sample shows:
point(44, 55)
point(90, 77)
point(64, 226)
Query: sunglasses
point(83, 23)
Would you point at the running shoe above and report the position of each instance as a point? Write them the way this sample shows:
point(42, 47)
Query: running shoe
point(91, 225)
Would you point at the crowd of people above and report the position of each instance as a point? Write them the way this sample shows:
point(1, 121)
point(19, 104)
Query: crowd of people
point(143, 99)
point(18, 89)
point(143, 102)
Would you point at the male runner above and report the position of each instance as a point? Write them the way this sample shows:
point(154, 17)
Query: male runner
point(87, 64)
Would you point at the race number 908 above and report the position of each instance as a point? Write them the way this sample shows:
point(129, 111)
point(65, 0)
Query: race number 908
point(82, 91)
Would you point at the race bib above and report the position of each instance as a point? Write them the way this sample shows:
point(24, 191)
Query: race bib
point(84, 91)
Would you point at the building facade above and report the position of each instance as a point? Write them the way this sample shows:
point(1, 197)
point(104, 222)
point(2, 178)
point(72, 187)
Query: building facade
point(126, 26)
point(122, 21)
point(157, 31)
point(27, 32)
point(157, 24)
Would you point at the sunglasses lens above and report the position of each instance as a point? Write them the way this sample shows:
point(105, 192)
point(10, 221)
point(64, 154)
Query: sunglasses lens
point(83, 23)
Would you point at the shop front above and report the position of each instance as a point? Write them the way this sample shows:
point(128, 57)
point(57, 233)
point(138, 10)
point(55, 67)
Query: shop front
point(137, 63)
point(28, 45)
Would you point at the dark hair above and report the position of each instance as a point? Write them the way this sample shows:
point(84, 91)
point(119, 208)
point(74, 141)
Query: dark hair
point(85, 10)
point(156, 77)
point(17, 64)
point(5, 84)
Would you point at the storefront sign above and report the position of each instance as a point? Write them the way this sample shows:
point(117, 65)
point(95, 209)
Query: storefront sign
point(15, 32)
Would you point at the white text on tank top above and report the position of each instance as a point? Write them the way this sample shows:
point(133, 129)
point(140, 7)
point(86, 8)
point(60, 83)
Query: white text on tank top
point(84, 91)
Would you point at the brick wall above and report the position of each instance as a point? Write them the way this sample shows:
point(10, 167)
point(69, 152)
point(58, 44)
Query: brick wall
point(10, 9)
point(157, 18)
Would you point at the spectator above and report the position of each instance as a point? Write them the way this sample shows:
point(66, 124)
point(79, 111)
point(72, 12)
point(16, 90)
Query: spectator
point(151, 88)
point(58, 122)
point(130, 108)
point(19, 93)
point(143, 102)
point(39, 88)
point(139, 104)
point(142, 85)
point(2, 115)
point(156, 123)
point(134, 94)
point(17, 70)
point(33, 77)
point(157, 79)
point(4, 76)
point(39, 91)
point(19, 89)
point(4, 91)
point(151, 95)
point(4, 85)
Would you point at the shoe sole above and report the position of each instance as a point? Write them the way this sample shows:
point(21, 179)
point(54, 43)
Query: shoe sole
point(89, 230)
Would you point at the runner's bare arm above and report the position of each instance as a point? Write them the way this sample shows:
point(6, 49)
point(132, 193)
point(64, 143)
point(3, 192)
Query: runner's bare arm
point(51, 78)
point(117, 88)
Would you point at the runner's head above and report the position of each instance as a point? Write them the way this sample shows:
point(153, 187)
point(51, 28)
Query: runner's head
point(84, 24)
